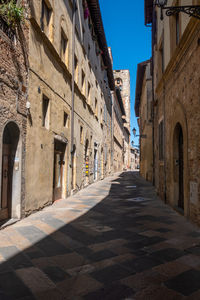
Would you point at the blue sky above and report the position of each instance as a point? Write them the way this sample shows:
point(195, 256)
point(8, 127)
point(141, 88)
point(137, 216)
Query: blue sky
point(129, 39)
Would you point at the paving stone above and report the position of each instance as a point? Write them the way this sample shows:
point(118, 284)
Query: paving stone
point(171, 269)
point(190, 260)
point(12, 286)
point(168, 254)
point(163, 230)
point(35, 280)
point(55, 273)
point(84, 269)
point(50, 247)
point(146, 241)
point(52, 221)
point(142, 263)
point(69, 261)
point(104, 254)
point(78, 286)
point(31, 233)
point(111, 273)
point(33, 252)
point(111, 292)
point(51, 294)
point(20, 261)
point(195, 250)
point(140, 281)
point(155, 292)
point(9, 252)
point(185, 283)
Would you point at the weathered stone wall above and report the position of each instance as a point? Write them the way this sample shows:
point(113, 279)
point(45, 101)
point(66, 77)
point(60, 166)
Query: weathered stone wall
point(13, 94)
point(145, 124)
point(119, 162)
point(51, 75)
point(178, 103)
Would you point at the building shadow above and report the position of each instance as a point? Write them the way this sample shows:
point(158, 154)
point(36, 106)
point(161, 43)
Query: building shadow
point(73, 257)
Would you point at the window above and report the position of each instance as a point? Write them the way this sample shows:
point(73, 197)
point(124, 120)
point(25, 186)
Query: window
point(102, 65)
point(45, 112)
point(90, 67)
point(66, 120)
point(63, 46)
point(96, 108)
point(160, 61)
point(101, 116)
point(76, 69)
point(81, 134)
point(161, 140)
point(177, 29)
point(83, 82)
point(89, 49)
point(46, 17)
point(89, 89)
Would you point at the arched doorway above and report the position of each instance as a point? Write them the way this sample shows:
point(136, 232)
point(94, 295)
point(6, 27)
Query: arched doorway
point(74, 170)
point(102, 164)
point(95, 164)
point(179, 166)
point(59, 162)
point(11, 173)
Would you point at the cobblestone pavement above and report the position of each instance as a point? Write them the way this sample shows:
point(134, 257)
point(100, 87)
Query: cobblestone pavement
point(113, 240)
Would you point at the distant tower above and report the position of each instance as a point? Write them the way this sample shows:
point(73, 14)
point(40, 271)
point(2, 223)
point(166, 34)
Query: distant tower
point(122, 80)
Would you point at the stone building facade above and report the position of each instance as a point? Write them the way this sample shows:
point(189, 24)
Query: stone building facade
point(143, 111)
point(56, 96)
point(14, 70)
point(118, 136)
point(69, 142)
point(134, 159)
point(176, 109)
point(122, 81)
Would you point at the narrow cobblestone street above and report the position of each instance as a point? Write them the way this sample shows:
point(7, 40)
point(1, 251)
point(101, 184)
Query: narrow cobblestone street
point(112, 240)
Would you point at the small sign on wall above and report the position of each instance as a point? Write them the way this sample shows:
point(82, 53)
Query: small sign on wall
point(193, 192)
point(87, 166)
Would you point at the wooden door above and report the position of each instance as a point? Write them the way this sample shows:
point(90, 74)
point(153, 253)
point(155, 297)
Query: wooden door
point(59, 152)
point(181, 170)
point(6, 183)
point(95, 164)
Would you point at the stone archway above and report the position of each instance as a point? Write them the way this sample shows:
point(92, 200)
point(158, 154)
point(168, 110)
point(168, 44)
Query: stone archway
point(178, 158)
point(11, 173)
point(177, 137)
point(102, 163)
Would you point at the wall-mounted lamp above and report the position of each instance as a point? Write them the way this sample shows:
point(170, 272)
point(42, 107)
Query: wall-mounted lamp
point(191, 10)
point(140, 135)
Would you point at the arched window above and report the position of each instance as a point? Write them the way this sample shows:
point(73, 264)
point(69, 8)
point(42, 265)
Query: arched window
point(118, 82)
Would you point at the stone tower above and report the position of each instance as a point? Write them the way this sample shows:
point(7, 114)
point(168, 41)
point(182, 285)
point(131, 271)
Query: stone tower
point(122, 80)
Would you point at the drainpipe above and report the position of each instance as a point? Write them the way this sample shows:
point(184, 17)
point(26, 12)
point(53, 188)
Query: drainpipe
point(72, 112)
point(153, 98)
point(164, 143)
point(112, 126)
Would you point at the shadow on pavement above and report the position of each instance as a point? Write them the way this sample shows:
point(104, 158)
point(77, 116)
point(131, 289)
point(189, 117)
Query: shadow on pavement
point(94, 256)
